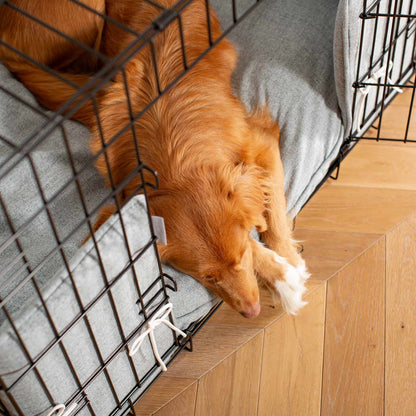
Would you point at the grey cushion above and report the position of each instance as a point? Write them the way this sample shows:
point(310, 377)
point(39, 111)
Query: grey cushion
point(22, 198)
point(286, 60)
point(191, 302)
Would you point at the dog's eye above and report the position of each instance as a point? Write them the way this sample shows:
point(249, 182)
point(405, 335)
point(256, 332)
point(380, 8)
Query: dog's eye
point(209, 277)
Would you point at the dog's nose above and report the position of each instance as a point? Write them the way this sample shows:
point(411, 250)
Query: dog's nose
point(252, 311)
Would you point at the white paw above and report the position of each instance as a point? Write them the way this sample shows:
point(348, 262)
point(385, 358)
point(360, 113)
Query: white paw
point(293, 287)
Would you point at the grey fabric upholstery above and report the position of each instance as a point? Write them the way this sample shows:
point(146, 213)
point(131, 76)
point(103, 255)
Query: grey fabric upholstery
point(286, 60)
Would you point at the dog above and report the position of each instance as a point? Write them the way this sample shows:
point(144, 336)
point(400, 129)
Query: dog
point(219, 167)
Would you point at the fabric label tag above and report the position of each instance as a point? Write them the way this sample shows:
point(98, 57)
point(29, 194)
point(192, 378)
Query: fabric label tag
point(159, 228)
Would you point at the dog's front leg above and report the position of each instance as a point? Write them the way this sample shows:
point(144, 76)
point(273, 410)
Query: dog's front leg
point(278, 236)
point(267, 156)
point(283, 280)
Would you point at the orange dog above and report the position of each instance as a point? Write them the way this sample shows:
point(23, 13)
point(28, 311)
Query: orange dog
point(219, 168)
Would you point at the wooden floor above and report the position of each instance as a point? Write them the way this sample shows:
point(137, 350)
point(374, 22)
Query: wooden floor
point(352, 349)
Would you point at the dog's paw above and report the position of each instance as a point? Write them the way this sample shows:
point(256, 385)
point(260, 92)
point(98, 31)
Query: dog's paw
point(293, 287)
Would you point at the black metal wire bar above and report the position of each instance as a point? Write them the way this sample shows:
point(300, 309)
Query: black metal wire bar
point(409, 117)
point(397, 37)
point(371, 118)
point(234, 5)
point(182, 36)
point(149, 303)
point(386, 48)
point(386, 74)
point(387, 84)
point(359, 59)
point(406, 38)
point(380, 61)
point(384, 139)
point(13, 263)
point(113, 186)
point(376, 3)
point(7, 142)
point(207, 8)
point(155, 69)
point(153, 284)
point(392, 15)
point(373, 47)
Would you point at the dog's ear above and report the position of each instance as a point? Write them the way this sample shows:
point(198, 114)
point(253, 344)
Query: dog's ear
point(249, 193)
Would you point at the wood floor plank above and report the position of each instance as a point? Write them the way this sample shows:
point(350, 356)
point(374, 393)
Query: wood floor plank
point(357, 209)
point(353, 376)
point(182, 405)
point(381, 166)
point(163, 391)
point(327, 252)
point(232, 388)
point(401, 320)
point(292, 362)
point(211, 346)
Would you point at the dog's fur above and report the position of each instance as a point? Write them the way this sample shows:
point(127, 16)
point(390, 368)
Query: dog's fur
point(219, 168)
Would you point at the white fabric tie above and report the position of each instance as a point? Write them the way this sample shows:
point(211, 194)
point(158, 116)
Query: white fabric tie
point(62, 410)
point(160, 317)
point(375, 76)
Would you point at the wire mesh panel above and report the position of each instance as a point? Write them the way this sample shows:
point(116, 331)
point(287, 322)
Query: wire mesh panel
point(51, 197)
point(386, 63)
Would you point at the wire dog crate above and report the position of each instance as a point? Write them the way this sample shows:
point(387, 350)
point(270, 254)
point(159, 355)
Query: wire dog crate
point(20, 272)
point(387, 35)
point(385, 68)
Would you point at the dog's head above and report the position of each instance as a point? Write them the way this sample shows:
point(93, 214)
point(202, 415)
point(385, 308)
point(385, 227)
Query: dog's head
point(208, 219)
